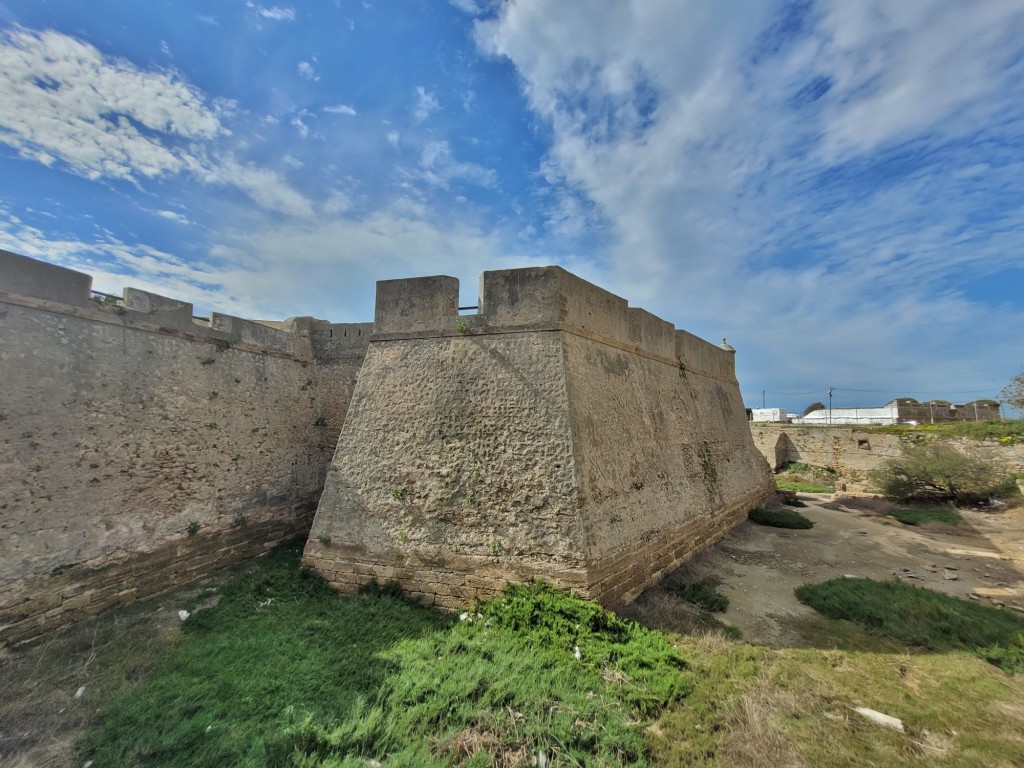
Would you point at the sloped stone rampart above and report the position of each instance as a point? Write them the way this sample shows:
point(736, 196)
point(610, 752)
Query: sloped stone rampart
point(140, 449)
point(556, 433)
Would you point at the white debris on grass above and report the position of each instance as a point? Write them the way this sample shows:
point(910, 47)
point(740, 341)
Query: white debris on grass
point(880, 719)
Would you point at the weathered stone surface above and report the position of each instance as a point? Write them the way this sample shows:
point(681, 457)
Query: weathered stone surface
point(557, 433)
point(122, 428)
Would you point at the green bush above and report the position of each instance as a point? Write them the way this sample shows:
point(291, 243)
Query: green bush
point(936, 472)
point(779, 518)
point(921, 617)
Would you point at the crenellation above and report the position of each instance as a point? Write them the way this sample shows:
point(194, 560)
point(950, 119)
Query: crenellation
point(416, 304)
point(40, 280)
point(160, 309)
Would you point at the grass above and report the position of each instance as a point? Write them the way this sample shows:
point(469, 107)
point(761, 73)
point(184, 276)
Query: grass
point(701, 593)
point(992, 430)
point(779, 518)
point(284, 671)
point(921, 618)
point(922, 515)
point(802, 487)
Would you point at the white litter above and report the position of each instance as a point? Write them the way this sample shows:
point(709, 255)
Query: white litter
point(80, 692)
point(879, 719)
point(183, 614)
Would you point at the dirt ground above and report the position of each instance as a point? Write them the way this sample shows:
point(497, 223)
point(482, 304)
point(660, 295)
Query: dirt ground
point(50, 691)
point(758, 567)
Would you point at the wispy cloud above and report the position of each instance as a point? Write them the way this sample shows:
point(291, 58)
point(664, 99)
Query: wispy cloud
point(274, 12)
point(63, 102)
point(426, 104)
point(809, 169)
point(307, 71)
point(340, 109)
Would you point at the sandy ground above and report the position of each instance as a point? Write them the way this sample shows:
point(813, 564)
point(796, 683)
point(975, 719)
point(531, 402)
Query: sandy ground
point(758, 567)
point(50, 691)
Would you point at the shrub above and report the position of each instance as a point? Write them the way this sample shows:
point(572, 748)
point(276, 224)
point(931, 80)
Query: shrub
point(937, 472)
point(779, 518)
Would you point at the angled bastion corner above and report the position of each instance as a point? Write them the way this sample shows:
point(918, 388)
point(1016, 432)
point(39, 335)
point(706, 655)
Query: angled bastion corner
point(555, 433)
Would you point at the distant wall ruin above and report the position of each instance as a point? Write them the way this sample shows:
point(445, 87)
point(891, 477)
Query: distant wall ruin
point(852, 453)
point(140, 449)
point(557, 433)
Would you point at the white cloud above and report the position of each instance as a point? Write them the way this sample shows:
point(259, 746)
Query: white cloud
point(300, 126)
point(439, 168)
point(275, 13)
point(307, 71)
point(393, 137)
point(340, 109)
point(426, 104)
point(705, 143)
point(63, 101)
point(173, 216)
point(467, 6)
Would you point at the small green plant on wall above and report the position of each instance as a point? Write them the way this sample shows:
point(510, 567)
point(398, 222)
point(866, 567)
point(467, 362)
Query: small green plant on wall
point(193, 528)
point(324, 538)
point(460, 325)
point(398, 494)
point(496, 547)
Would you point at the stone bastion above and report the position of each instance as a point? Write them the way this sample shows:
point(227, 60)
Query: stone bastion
point(556, 433)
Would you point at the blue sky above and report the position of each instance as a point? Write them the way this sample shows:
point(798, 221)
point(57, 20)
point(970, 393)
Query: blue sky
point(836, 187)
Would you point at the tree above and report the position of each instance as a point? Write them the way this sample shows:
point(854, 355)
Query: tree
point(1013, 393)
point(936, 472)
point(813, 407)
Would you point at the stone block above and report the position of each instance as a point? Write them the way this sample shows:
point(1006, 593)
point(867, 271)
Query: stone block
point(38, 279)
point(416, 304)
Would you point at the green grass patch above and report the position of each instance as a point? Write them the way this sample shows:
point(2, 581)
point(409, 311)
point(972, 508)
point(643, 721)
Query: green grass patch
point(921, 617)
point(801, 487)
point(286, 672)
point(701, 593)
point(922, 515)
point(779, 518)
point(1012, 430)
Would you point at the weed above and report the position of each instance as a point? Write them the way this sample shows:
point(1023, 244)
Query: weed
point(3, 416)
point(615, 519)
point(701, 593)
point(193, 528)
point(212, 425)
point(214, 395)
point(920, 617)
point(26, 435)
point(207, 361)
point(33, 444)
point(638, 486)
point(320, 422)
point(921, 515)
point(398, 494)
point(478, 470)
point(460, 326)
point(239, 520)
point(468, 499)
point(94, 466)
point(791, 501)
point(798, 487)
point(779, 518)
point(324, 538)
point(496, 547)
point(403, 536)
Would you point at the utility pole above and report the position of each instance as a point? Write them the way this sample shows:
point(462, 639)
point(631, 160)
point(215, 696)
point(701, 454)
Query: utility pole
point(830, 390)
point(762, 399)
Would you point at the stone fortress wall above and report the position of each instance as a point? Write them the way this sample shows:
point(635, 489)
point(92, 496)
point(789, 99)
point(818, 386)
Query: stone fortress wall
point(853, 452)
point(556, 433)
point(140, 449)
